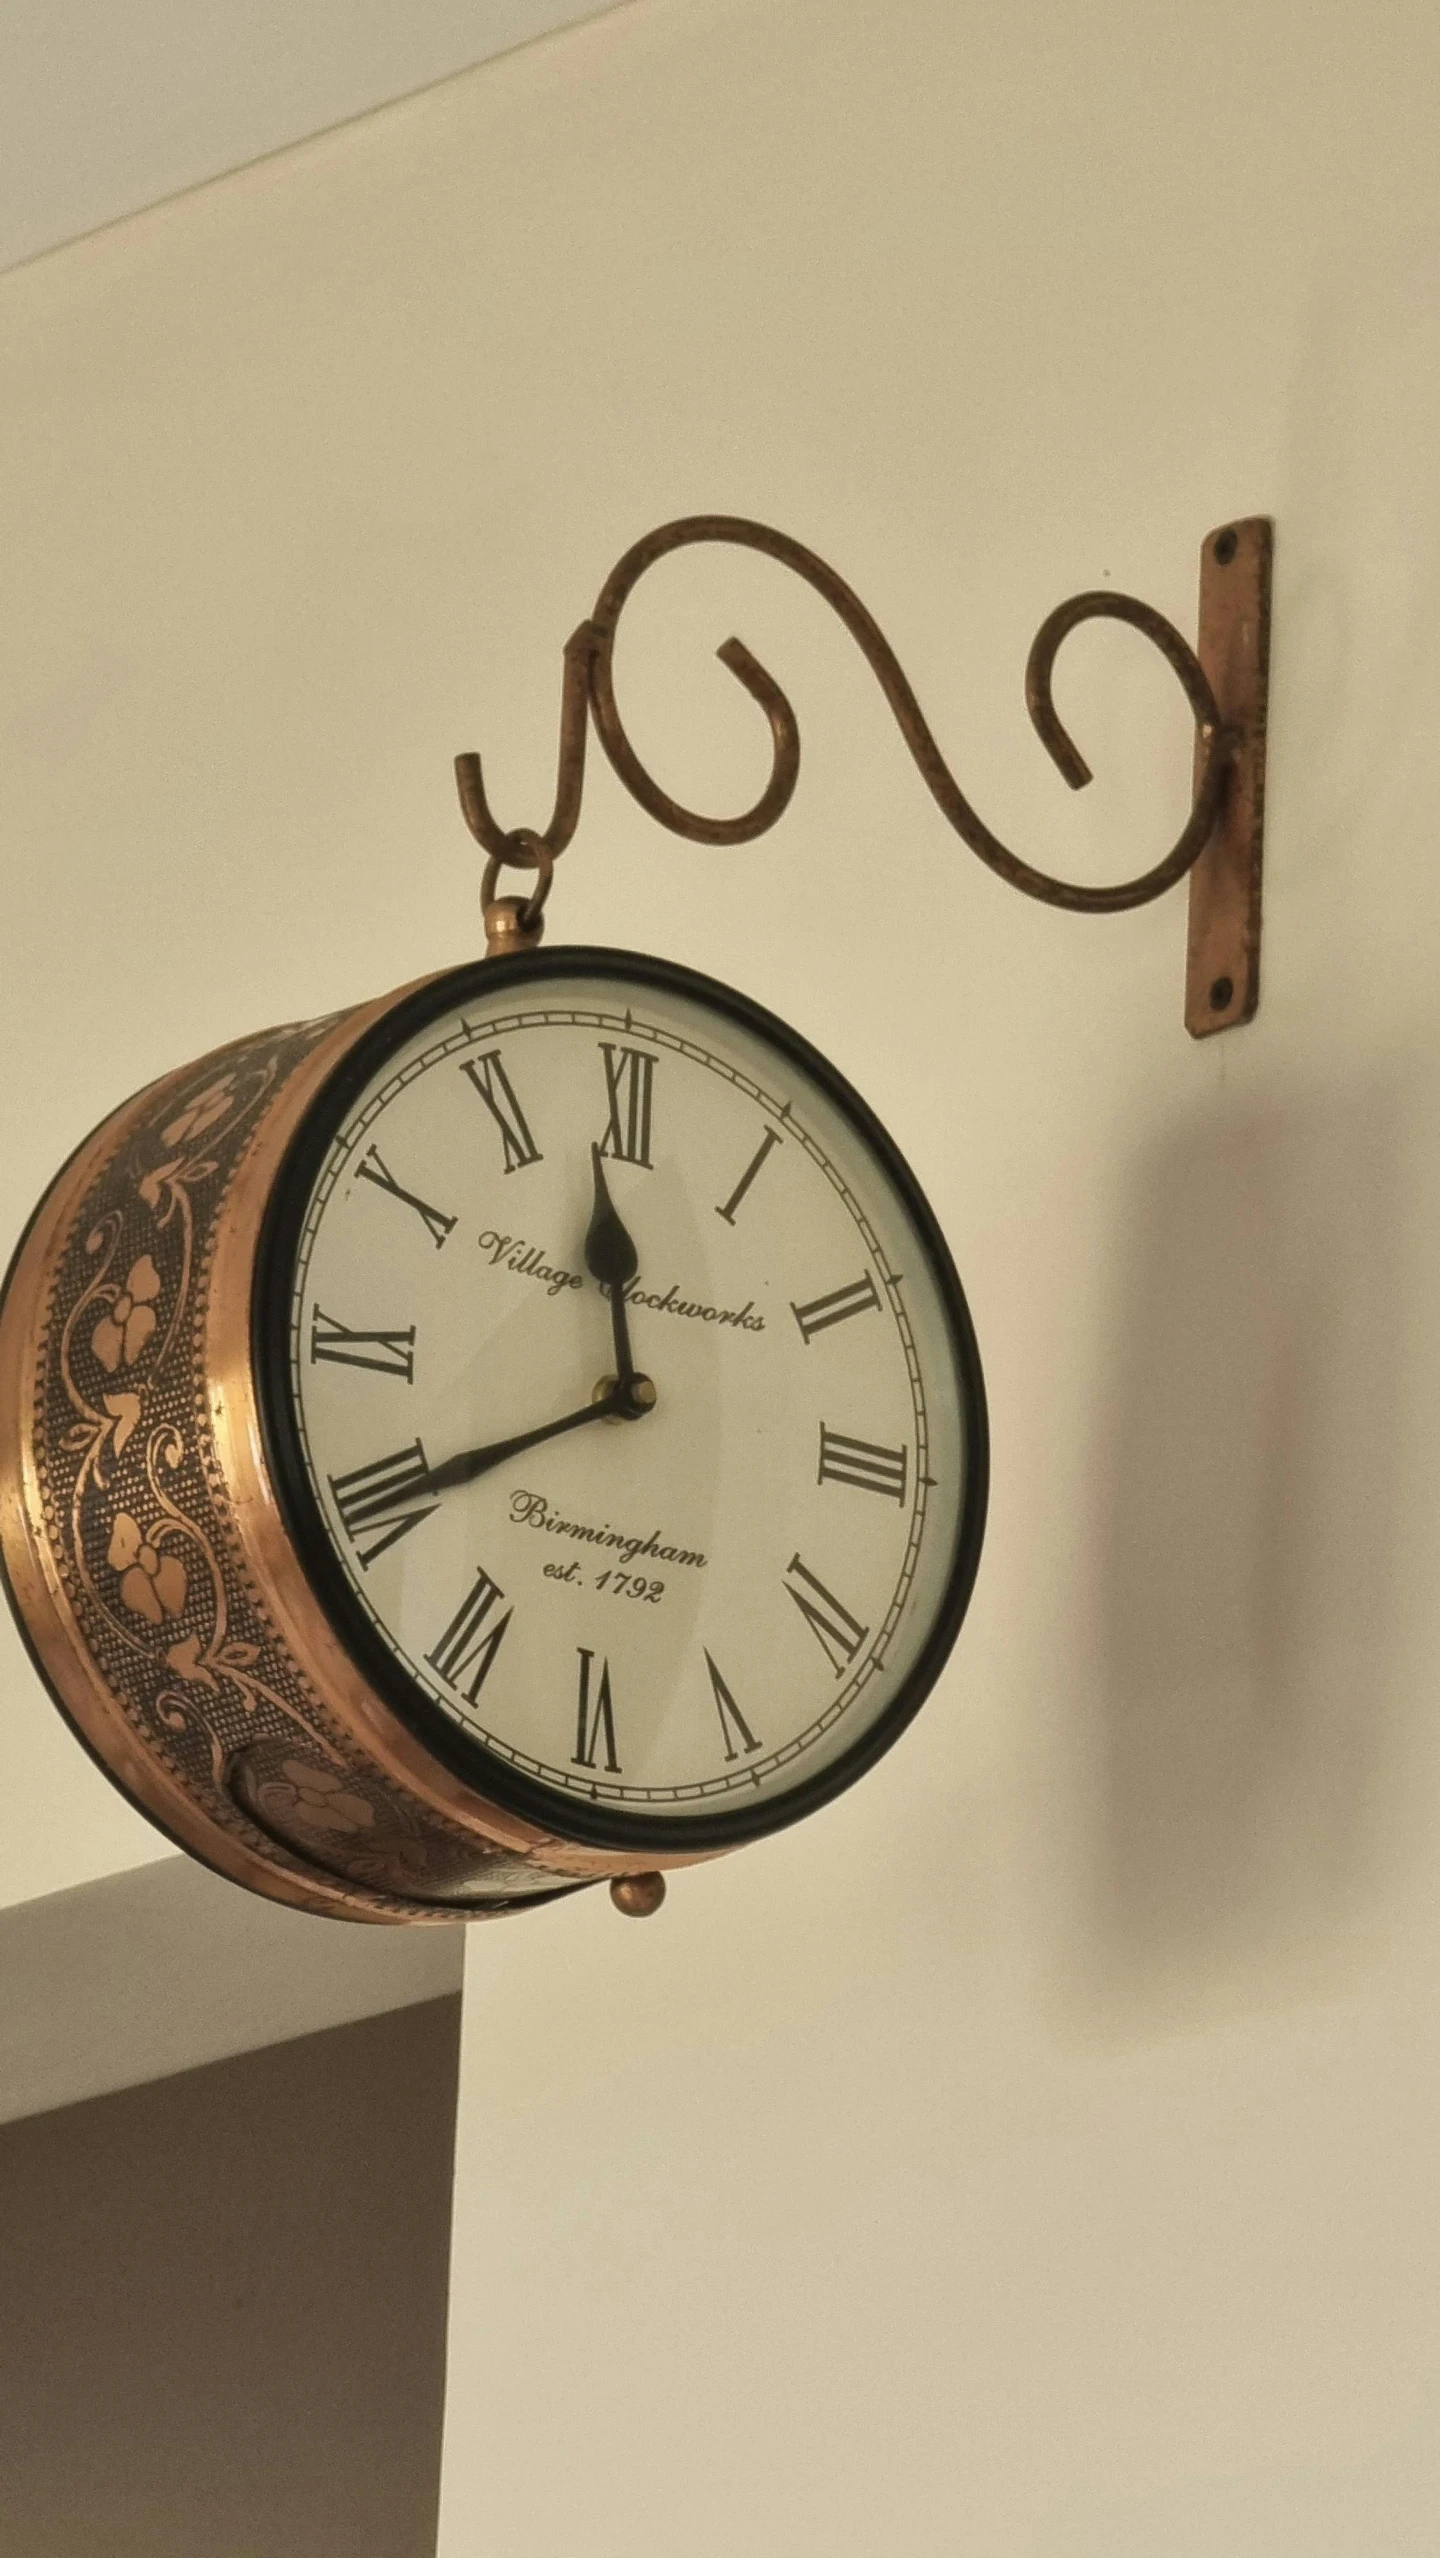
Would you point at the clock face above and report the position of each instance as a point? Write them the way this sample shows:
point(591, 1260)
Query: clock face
point(590, 1190)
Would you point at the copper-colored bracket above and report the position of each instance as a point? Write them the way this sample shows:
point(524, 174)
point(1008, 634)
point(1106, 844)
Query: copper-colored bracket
point(1222, 982)
point(1229, 747)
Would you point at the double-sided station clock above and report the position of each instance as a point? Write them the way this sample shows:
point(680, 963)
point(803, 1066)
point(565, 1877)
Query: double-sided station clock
point(524, 1431)
point(527, 1430)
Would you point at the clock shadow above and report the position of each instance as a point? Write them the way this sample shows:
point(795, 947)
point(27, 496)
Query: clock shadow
point(1253, 1736)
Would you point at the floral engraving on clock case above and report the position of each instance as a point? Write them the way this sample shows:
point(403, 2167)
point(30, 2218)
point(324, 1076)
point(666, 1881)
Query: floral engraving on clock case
point(634, 1398)
point(134, 1511)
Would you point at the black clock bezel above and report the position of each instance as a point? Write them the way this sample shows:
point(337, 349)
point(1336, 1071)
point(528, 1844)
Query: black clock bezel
point(566, 1816)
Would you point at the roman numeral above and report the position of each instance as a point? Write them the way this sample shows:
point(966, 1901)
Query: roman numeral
point(628, 1078)
point(490, 1080)
point(380, 1501)
point(742, 1185)
point(597, 1719)
point(857, 1461)
point(390, 1354)
point(733, 1725)
point(838, 1633)
point(466, 1650)
point(858, 1299)
point(372, 1168)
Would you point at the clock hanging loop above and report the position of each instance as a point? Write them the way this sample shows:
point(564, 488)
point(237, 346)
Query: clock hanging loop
point(516, 923)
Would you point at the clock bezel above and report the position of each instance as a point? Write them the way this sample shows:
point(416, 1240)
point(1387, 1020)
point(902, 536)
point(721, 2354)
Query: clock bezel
point(493, 1778)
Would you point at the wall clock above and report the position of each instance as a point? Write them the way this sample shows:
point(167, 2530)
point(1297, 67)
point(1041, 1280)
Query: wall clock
point(527, 1430)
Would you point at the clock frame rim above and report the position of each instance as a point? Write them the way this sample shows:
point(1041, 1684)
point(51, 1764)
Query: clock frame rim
point(587, 1832)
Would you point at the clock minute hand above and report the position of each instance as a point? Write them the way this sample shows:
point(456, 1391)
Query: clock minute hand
point(475, 1461)
point(612, 1261)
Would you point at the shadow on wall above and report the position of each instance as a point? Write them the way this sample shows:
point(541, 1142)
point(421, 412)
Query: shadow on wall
point(1246, 1760)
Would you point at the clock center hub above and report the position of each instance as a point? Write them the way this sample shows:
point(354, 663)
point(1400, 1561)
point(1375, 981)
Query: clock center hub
point(641, 1397)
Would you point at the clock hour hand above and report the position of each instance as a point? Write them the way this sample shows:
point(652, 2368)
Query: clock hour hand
point(617, 1404)
point(612, 1260)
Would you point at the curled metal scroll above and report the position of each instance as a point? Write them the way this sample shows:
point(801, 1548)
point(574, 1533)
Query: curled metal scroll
point(589, 691)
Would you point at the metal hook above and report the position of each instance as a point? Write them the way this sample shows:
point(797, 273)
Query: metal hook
point(589, 684)
point(910, 719)
point(520, 847)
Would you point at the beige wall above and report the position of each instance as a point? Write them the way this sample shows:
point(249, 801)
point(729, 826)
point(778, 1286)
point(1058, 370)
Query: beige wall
point(222, 2316)
point(1034, 2155)
point(158, 1969)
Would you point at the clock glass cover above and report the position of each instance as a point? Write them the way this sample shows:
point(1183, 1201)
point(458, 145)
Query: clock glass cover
point(596, 1191)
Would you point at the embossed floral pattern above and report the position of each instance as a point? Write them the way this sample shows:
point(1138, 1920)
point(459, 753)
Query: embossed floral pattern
point(124, 1411)
point(123, 1330)
point(315, 1798)
point(152, 1585)
point(206, 1111)
point(140, 1536)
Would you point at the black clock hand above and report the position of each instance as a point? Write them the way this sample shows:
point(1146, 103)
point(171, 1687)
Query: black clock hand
point(473, 1461)
point(612, 1260)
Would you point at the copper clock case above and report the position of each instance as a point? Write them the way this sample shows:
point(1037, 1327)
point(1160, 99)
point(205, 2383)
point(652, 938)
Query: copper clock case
point(165, 1557)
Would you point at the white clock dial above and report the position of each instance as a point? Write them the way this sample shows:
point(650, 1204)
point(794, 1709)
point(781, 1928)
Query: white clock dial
point(699, 1609)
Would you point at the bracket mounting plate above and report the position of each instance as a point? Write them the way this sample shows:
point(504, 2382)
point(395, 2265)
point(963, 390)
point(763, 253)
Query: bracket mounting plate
point(1222, 977)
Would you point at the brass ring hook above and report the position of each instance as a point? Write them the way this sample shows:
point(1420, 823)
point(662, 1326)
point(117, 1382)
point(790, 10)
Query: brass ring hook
point(516, 923)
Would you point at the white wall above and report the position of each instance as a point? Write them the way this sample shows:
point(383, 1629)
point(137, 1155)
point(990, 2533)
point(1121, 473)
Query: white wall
point(105, 110)
point(1034, 2154)
point(157, 1970)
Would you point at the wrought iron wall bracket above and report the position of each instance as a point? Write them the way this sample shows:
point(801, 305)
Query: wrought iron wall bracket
point(1224, 684)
